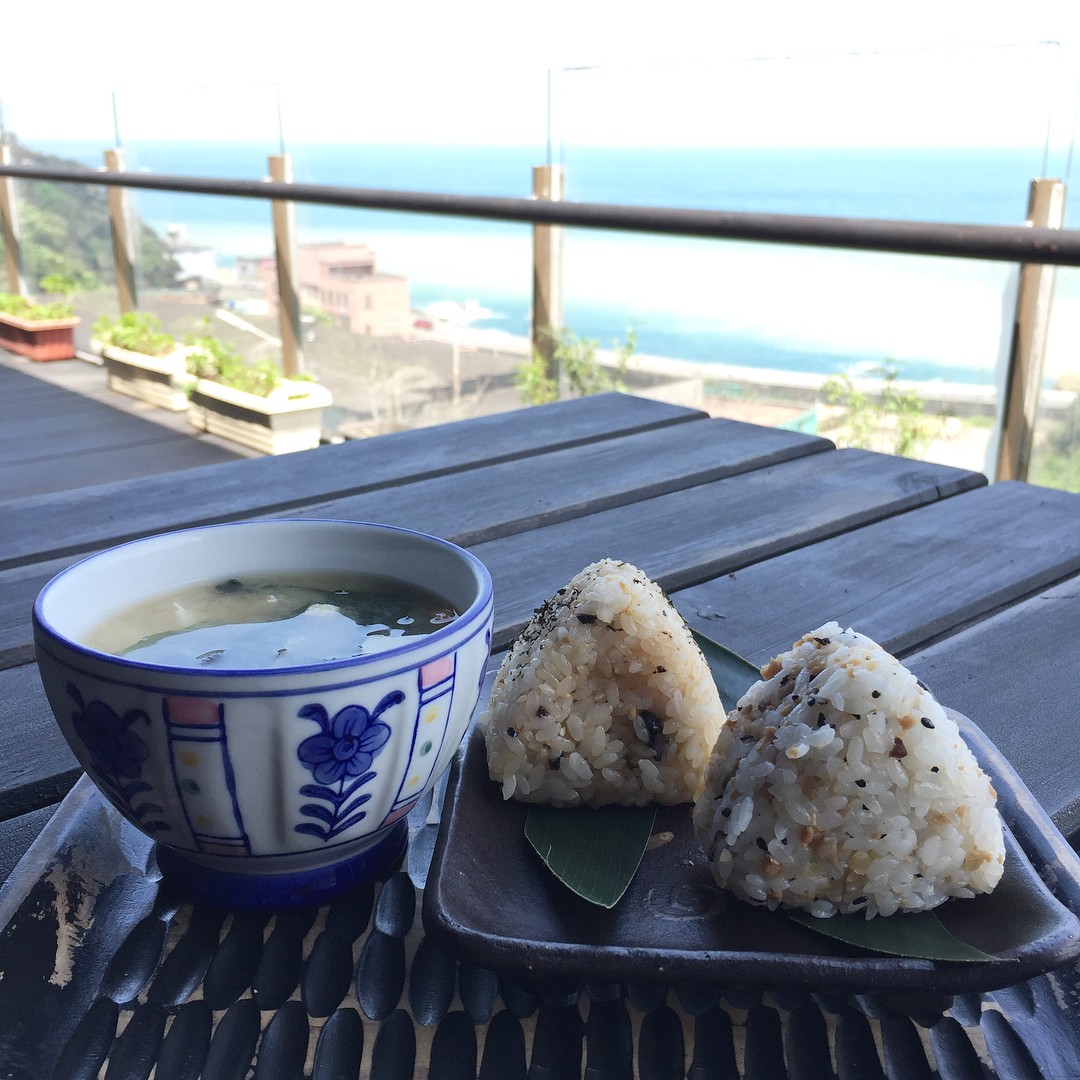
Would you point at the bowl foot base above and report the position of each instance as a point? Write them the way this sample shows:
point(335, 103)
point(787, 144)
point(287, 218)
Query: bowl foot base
point(281, 891)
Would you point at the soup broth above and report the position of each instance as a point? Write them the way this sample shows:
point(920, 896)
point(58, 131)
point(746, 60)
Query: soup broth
point(243, 624)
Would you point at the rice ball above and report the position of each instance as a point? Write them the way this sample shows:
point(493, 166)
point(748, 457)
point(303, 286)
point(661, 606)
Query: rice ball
point(839, 784)
point(605, 698)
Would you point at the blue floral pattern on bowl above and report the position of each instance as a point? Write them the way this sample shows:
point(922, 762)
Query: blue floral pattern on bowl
point(117, 755)
point(341, 754)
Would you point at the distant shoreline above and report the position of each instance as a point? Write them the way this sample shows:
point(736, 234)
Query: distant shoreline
point(940, 395)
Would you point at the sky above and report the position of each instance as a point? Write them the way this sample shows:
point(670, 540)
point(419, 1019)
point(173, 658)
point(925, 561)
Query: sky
point(476, 71)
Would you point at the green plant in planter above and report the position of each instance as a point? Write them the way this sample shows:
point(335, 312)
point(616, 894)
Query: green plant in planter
point(218, 362)
point(34, 311)
point(136, 331)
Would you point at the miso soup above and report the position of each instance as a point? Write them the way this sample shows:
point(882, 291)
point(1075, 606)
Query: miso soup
point(246, 623)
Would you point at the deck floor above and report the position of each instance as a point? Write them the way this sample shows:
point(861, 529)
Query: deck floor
point(62, 428)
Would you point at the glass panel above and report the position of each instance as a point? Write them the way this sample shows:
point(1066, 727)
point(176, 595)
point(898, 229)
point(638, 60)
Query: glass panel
point(64, 228)
point(1055, 456)
point(951, 135)
point(413, 319)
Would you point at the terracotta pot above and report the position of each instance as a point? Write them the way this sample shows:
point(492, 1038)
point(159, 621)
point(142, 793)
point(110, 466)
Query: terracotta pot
point(44, 339)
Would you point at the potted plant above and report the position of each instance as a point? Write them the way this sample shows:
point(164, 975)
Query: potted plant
point(142, 360)
point(252, 404)
point(40, 330)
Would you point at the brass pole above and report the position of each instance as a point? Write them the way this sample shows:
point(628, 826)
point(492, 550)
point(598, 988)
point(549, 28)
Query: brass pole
point(284, 214)
point(547, 308)
point(1027, 350)
point(9, 226)
point(122, 239)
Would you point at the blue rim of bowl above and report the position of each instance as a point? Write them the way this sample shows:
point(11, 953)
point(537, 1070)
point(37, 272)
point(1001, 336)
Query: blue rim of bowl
point(471, 613)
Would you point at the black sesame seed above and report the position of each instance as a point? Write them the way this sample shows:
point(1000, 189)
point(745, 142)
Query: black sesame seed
point(926, 722)
point(823, 641)
point(934, 768)
point(512, 732)
point(860, 783)
point(661, 670)
point(541, 711)
point(875, 693)
point(726, 812)
point(586, 619)
point(785, 680)
point(820, 719)
point(860, 900)
point(795, 698)
point(761, 843)
point(654, 730)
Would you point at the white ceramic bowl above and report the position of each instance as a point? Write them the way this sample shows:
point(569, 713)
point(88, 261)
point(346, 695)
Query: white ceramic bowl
point(269, 788)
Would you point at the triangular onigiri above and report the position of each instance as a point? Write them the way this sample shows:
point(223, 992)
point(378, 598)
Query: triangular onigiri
point(604, 698)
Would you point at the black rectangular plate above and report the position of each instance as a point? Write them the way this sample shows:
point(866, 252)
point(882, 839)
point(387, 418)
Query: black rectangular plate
point(490, 899)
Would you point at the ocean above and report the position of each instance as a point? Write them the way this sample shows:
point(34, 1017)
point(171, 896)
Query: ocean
point(757, 305)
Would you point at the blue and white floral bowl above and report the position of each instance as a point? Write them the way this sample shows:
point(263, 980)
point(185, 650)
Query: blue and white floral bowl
point(266, 789)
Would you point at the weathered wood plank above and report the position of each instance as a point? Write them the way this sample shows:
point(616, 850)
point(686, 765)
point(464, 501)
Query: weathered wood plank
point(36, 765)
point(904, 581)
point(18, 589)
point(54, 439)
point(479, 504)
point(692, 535)
point(1015, 675)
point(18, 833)
point(69, 522)
point(120, 463)
point(76, 431)
point(482, 504)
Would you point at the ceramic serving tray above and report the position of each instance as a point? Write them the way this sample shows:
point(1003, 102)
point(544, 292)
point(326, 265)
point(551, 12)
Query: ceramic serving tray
point(490, 899)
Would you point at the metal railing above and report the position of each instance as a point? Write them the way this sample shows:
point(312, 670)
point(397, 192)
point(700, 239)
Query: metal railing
point(1031, 246)
point(1002, 243)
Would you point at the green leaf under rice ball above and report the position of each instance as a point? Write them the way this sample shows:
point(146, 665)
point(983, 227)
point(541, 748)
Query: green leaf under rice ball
point(593, 852)
point(917, 934)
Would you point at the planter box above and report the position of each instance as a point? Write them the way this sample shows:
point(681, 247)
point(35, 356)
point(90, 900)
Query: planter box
point(44, 339)
point(289, 419)
point(158, 380)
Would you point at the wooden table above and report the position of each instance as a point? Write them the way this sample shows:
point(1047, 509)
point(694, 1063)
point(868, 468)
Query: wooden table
point(758, 534)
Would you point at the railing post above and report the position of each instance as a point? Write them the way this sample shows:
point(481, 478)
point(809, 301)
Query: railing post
point(292, 351)
point(1027, 348)
point(547, 314)
point(9, 226)
point(122, 239)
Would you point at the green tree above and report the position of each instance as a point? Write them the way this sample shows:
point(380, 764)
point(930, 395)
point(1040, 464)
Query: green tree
point(1056, 461)
point(576, 358)
point(65, 230)
point(895, 423)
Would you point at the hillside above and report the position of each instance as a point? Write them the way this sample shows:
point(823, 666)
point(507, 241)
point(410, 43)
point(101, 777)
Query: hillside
point(64, 229)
